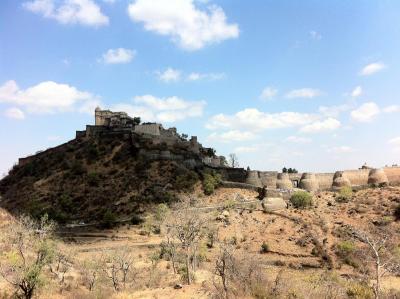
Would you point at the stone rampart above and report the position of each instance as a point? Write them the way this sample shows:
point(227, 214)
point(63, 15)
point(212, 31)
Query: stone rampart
point(393, 174)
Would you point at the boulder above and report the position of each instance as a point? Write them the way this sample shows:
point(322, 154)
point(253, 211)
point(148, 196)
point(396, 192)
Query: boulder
point(273, 204)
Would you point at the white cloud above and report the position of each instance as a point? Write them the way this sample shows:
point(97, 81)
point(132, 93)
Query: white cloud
point(308, 93)
point(169, 75)
point(53, 138)
point(45, 97)
point(357, 91)
point(118, 56)
point(245, 149)
point(334, 111)
point(391, 109)
point(205, 76)
point(366, 112)
point(395, 142)
point(268, 93)
point(255, 120)
point(372, 68)
point(328, 124)
point(341, 150)
point(231, 136)
point(187, 25)
point(84, 12)
point(297, 139)
point(170, 109)
point(14, 113)
point(315, 35)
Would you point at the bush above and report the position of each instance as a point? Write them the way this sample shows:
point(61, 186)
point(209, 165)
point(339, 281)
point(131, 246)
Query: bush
point(77, 168)
point(66, 203)
point(210, 182)
point(301, 199)
point(93, 179)
point(136, 219)
point(345, 194)
point(264, 248)
point(396, 213)
point(108, 220)
point(186, 182)
point(92, 153)
point(359, 290)
point(345, 248)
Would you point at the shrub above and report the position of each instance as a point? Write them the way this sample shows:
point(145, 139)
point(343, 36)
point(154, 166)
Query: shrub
point(66, 203)
point(77, 168)
point(210, 182)
point(345, 194)
point(92, 153)
point(108, 220)
point(136, 219)
point(93, 179)
point(301, 199)
point(345, 248)
point(264, 248)
point(397, 213)
point(359, 290)
point(186, 182)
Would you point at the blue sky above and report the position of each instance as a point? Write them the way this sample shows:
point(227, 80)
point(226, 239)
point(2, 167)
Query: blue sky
point(307, 84)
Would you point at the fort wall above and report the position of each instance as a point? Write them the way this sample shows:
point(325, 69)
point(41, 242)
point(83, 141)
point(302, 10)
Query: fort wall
point(357, 177)
point(393, 174)
point(325, 180)
point(149, 129)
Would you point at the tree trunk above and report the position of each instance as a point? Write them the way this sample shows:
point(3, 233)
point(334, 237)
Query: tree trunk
point(378, 279)
point(189, 279)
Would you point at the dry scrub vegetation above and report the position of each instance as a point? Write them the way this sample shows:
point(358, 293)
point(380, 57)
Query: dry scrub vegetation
point(338, 245)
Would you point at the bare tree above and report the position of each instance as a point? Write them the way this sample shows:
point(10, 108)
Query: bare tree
point(233, 160)
point(170, 250)
point(63, 261)
point(90, 272)
point(379, 249)
point(240, 274)
point(118, 267)
point(225, 267)
point(186, 226)
point(29, 250)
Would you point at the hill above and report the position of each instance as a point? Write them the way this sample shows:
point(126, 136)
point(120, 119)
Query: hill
point(112, 174)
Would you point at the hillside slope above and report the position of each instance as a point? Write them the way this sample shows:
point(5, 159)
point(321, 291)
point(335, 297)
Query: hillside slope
point(85, 178)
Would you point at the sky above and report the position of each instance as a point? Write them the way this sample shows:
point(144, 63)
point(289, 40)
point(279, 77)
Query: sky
point(308, 84)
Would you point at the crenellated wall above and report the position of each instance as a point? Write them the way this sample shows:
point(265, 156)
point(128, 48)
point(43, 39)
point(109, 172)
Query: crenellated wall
point(393, 174)
point(357, 177)
point(313, 181)
point(325, 180)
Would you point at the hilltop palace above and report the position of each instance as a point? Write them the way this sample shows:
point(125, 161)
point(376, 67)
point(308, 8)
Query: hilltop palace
point(108, 122)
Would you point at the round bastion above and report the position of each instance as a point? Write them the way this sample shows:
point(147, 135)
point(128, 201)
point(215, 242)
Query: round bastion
point(340, 180)
point(377, 177)
point(309, 182)
point(283, 181)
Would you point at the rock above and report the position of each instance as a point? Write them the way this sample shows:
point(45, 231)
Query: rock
point(178, 286)
point(274, 204)
point(225, 214)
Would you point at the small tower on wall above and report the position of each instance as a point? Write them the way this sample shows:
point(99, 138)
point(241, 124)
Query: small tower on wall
point(97, 115)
